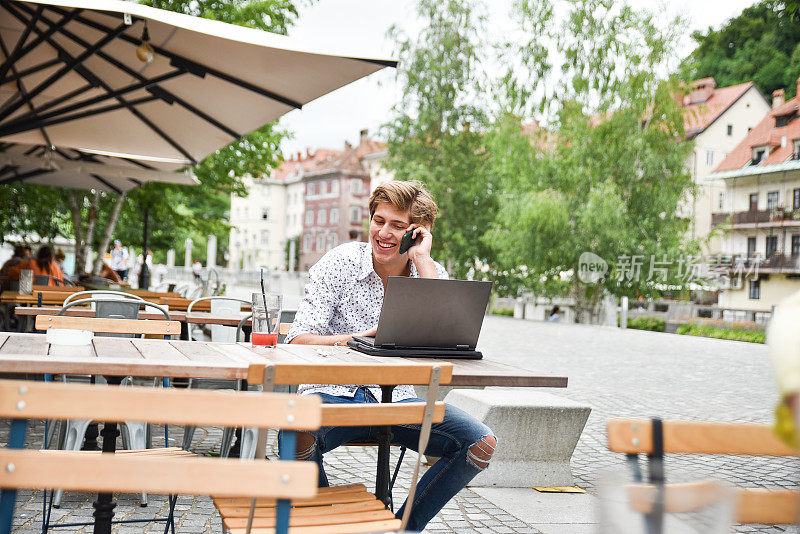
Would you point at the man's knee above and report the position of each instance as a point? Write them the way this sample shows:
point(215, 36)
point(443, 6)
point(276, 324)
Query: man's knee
point(481, 451)
point(305, 447)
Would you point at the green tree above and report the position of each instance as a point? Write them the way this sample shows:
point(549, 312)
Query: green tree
point(761, 45)
point(436, 134)
point(608, 176)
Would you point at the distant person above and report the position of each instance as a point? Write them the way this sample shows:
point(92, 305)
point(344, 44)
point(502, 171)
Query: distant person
point(197, 269)
point(60, 257)
point(555, 315)
point(120, 259)
point(42, 265)
point(21, 253)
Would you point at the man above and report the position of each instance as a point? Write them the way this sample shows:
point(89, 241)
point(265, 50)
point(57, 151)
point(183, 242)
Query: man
point(343, 298)
point(119, 260)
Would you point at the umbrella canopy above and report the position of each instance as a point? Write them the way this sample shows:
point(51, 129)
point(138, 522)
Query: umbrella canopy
point(71, 77)
point(82, 170)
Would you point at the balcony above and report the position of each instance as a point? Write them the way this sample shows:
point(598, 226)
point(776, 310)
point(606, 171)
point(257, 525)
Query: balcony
point(749, 219)
point(777, 263)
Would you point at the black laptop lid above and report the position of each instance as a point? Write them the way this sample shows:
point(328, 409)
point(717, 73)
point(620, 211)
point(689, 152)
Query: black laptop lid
point(432, 312)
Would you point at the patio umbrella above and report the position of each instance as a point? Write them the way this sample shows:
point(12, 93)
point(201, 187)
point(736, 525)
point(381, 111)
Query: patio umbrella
point(82, 170)
point(73, 77)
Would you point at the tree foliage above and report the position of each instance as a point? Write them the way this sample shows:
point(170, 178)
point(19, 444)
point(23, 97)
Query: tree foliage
point(608, 176)
point(761, 45)
point(436, 134)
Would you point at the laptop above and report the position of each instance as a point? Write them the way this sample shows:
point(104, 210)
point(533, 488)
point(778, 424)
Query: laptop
point(428, 317)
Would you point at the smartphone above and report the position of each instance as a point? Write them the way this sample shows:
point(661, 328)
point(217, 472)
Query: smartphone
point(407, 242)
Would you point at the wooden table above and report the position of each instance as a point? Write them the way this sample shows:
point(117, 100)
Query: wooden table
point(79, 311)
point(119, 357)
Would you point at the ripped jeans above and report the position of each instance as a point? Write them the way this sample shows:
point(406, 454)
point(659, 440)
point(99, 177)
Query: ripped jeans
point(451, 440)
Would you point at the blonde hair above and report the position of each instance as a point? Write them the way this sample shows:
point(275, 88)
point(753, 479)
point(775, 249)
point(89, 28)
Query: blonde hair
point(411, 196)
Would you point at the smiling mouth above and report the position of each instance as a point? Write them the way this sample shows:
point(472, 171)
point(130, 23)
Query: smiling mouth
point(383, 245)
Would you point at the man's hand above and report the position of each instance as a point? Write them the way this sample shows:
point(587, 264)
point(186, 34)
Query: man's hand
point(420, 253)
point(369, 333)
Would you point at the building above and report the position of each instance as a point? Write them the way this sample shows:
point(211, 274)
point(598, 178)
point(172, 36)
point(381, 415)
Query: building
point(337, 189)
point(760, 209)
point(318, 200)
point(717, 119)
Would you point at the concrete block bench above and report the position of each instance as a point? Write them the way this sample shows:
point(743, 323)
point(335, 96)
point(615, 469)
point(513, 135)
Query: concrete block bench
point(536, 435)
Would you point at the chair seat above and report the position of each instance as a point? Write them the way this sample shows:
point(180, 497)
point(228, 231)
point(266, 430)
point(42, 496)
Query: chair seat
point(337, 509)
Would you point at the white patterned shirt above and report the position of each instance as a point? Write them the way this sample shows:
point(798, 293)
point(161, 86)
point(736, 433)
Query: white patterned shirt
point(344, 295)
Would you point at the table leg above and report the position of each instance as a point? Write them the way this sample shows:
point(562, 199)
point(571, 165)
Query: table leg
point(104, 505)
point(185, 330)
point(383, 476)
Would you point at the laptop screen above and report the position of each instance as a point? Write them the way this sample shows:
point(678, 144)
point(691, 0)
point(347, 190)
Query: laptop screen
point(432, 312)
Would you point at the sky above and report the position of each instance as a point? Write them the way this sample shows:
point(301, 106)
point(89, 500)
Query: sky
point(361, 26)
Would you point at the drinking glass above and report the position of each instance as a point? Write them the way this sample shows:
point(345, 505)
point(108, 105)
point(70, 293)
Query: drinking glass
point(266, 319)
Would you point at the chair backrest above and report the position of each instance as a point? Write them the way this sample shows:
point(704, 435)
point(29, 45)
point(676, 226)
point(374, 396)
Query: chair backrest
point(79, 471)
point(229, 305)
point(106, 325)
point(283, 328)
point(94, 293)
point(754, 505)
point(390, 373)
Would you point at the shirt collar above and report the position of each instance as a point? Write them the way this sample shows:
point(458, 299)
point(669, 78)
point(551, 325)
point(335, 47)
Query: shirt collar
point(367, 266)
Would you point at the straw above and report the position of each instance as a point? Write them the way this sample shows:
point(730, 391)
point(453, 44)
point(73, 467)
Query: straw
point(264, 297)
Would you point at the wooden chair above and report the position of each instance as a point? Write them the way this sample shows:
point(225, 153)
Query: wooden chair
point(155, 473)
point(346, 509)
point(73, 430)
point(656, 437)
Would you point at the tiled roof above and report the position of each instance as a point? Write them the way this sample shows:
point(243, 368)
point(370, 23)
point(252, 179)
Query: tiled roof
point(767, 133)
point(325, 159)
point(699, 116)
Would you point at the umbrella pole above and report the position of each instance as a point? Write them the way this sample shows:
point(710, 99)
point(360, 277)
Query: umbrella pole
point(144, 272)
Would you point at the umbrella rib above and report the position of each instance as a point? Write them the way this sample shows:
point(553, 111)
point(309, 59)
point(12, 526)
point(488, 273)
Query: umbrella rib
point(30, 70)
point(90, 157)
point(126, 104)
point(25, 176)
point(175, 57)
point(24, 93)
point(94, 100)
point(74, 62)
point(106, 183)
point(66, 18)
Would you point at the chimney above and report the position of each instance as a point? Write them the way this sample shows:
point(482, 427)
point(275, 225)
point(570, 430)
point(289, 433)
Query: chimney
point(308, 152)
point(701, 90)
point(347, 145)
point(777, 97)
point(299, 156)
point(362, 135)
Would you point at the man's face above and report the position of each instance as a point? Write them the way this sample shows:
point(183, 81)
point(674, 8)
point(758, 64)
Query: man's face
point(386, 229)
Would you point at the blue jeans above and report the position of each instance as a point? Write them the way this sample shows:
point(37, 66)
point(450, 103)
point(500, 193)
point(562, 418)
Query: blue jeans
point(450, 440)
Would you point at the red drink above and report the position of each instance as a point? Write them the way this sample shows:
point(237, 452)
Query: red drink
point(264, 339)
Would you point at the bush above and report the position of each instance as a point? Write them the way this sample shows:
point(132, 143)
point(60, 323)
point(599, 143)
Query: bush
point(655, 324)
point(735, 334)
point(503, 311)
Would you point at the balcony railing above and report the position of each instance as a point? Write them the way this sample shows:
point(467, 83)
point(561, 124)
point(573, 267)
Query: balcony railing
point(775, 262)
point(756, 217)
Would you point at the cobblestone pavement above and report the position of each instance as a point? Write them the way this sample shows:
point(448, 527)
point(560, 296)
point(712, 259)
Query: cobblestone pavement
point(618, 372)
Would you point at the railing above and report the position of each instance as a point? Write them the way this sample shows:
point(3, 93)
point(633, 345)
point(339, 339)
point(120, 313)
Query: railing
point(755, 217)
point(776, 261)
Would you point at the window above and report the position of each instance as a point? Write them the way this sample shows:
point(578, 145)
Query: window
point(751, 247)
point(772, 246)
point(758, 155)
point(355, 186)
point(355, 214)
point(709, 157)
point(309, 217)
point(320, 242)
point(334, 215)
point(322, 217)
point(730, 129)
point(265, 214)
point(755, 289)
point(310, 189)
point(335, 187)
point(796, 151)
point(796, 199)
point(244, 213)
point(307, 243)
point(331, 241)
point(795, 245)
point(753, 201)
point(721, 203)
point(265, 237)
point(772, 200)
